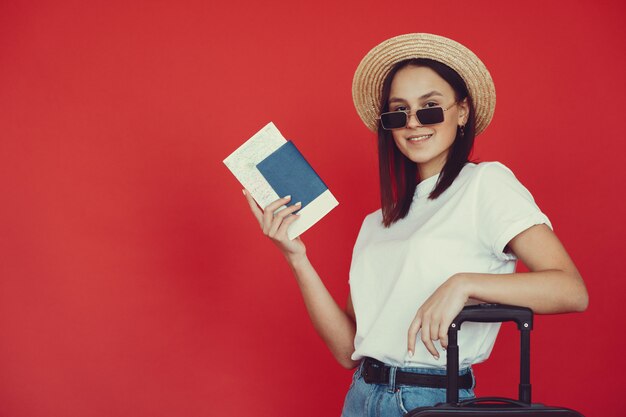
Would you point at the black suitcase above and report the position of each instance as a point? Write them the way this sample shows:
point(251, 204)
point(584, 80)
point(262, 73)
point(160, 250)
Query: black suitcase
point(491, 406)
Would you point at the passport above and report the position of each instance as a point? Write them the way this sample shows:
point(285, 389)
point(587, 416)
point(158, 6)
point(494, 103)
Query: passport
point(270, 167)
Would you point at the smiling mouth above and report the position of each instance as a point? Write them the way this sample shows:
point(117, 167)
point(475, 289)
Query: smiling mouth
point(420, 138)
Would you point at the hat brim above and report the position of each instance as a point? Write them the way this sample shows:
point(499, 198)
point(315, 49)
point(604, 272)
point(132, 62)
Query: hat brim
point(375, 66)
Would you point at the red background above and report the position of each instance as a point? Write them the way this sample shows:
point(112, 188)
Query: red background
point(133, 279)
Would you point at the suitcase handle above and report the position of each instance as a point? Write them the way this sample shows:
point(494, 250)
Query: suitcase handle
point(490, 313)
point(491, 400)
point(496, 313)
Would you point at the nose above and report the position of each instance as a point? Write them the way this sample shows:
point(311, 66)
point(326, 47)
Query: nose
point(412, 120)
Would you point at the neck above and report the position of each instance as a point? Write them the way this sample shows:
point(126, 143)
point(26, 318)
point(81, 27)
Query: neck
point(429, 170)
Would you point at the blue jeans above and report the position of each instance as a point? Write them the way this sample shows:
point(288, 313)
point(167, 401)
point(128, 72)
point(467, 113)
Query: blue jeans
point(391, 400)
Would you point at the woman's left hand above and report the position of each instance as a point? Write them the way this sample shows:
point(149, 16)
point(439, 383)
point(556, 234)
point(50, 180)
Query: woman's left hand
point(436, 314)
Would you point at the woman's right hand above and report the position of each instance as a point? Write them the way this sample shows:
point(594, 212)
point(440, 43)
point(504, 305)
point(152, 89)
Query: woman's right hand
point(274, 225)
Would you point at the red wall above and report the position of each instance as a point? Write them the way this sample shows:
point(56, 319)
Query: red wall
point(133, 279)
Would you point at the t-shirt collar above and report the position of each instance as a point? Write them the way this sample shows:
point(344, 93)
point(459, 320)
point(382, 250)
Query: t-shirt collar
point(426, 186)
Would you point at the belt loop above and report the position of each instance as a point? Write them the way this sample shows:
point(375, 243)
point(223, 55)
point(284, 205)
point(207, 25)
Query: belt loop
point(392, 379)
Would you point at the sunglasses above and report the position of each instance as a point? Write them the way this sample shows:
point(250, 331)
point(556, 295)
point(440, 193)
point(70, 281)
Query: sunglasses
point(399, 119)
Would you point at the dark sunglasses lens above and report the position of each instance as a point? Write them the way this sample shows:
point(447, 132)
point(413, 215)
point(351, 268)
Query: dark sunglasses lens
point(430, 116)
point(393, 120)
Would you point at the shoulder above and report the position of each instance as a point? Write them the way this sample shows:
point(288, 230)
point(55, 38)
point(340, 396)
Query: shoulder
point(494, 184)
point(373, 219)
point(473, 170)
point(494, 175)
point(493, 169)
point(484, 175)
point(372, 224)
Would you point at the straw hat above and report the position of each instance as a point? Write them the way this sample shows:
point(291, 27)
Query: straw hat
point(368, 79)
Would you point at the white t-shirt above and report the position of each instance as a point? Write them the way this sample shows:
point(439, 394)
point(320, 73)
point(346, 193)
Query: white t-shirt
point(394, 270)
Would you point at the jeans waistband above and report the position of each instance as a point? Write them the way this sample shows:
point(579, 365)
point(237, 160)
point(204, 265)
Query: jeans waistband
point(377, 372)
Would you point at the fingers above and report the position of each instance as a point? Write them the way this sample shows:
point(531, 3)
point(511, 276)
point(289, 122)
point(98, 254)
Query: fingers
point(436, 314)
point(268, 213)
point(275, 220)
point(256, 211)
point(428, 330)
point(282, 220)
point(439, 331)
point(275, 223)
point(426, 339)
point(413, 329)
point(443, 335)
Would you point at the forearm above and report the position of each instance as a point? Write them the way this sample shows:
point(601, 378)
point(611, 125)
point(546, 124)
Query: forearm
point(333, 324)
point(545, 292)
point(552, 286)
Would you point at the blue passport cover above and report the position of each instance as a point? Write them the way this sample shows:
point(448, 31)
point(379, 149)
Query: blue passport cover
point(289, 173)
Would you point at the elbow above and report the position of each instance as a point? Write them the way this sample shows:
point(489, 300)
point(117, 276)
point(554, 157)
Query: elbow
point(349, 364)
point(582, 302)
point(346, 362)
point(579, 300)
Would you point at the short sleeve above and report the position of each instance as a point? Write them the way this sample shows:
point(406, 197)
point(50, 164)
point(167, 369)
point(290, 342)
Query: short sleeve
point(504, 208)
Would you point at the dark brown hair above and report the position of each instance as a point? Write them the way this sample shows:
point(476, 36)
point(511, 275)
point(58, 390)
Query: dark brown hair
point(398, 174)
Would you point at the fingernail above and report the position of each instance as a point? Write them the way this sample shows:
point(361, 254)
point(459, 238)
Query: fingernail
point(436, 357)
point(287, 197)
point(298, 203)
point(410, 353)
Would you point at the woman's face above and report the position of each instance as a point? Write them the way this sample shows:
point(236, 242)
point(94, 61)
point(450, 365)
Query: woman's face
point(414, 88)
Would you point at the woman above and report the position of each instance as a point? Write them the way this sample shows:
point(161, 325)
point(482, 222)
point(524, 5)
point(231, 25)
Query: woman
point(448, 233)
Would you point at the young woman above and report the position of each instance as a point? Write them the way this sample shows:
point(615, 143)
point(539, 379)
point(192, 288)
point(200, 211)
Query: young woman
point(448, 233)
